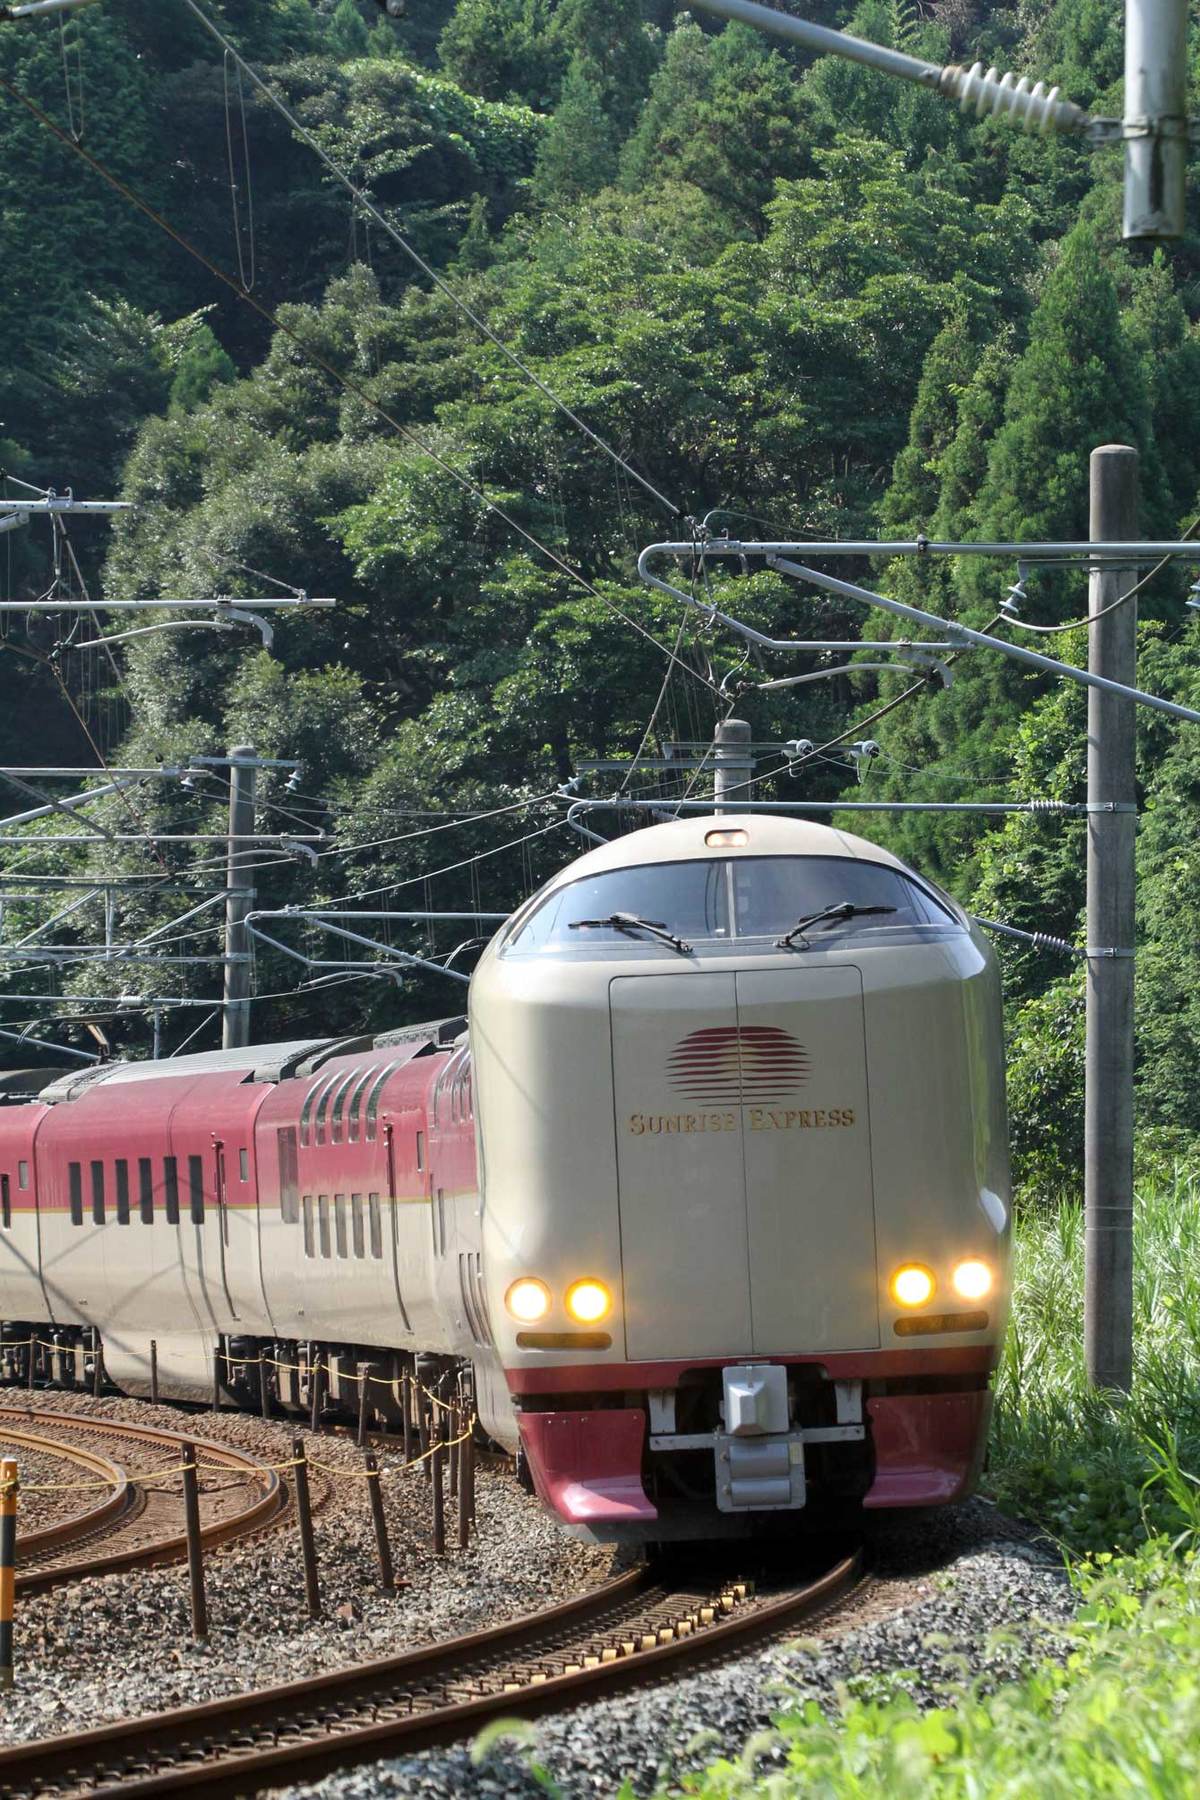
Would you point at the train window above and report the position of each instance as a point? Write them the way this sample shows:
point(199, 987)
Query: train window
point(122, 1191)
point(322, 1112)
point(244, 1164)
point(323, 1224)
point(339, 1225)
point(306, 1110)
point(420, 1150)
point(356, 1222)
point(309, 1241)
point(5, 1202)
point(376, 1219)
point(339, 1107)
point(97, 1193)
point(747, 897)
point(289, 1174)
point(373, 1102)
point(75, 1186)
point(196, 1188)
point(146, 1190)
point(354, 1111)
point(171, 1189)
point(22, 1174)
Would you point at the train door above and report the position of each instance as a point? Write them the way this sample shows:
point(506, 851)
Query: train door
point(214, 1201)
point(221, 1185)
point(682, 1187)
point(22, 1294)
point(810, 1203)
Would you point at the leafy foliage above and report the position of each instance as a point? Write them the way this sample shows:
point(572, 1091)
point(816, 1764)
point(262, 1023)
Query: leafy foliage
point(785, 289)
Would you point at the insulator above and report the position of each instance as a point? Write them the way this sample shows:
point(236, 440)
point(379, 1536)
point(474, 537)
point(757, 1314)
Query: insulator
point(1036, 108)
point(1047, 806)
point(1044, 941)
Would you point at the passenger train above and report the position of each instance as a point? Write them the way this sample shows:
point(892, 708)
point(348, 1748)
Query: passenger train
point(709, 1194)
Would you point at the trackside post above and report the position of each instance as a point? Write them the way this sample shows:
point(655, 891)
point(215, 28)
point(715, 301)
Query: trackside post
point(8, 1553)
point(1111, 892)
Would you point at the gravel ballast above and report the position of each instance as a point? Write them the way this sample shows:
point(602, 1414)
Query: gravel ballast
point(957, 1595)
point(120, 1645)
point(952, 1593)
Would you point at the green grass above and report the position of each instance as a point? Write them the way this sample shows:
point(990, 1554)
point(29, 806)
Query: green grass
point(1119, 1715)
point(1101, 1471)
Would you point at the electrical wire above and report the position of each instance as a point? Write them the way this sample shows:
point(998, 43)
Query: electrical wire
point(359, 198)
point(429, 830)
point(394, 887)
point(662, 694)
point(344, 381)
point(1121, 600)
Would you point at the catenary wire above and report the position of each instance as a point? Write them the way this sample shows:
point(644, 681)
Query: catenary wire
point(344, 381)
point(1121, 600)
point(360, 199)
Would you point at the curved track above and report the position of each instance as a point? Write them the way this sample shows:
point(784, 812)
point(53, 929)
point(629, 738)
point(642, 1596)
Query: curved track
point(132, 1522)
point(630, 1631)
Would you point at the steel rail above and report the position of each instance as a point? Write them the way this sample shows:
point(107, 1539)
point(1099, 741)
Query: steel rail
point(35, 1546)
point(268, 1506)
point(351, 1716)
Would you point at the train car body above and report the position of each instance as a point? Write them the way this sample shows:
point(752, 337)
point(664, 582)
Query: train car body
point(715, 1209)
point(743, 1142)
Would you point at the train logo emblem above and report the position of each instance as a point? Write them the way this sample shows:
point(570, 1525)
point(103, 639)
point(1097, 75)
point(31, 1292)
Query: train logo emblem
point(728, 1065)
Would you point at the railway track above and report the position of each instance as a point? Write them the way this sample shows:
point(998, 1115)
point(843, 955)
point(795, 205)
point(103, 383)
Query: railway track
point(632, 1630)
point(130, 1523)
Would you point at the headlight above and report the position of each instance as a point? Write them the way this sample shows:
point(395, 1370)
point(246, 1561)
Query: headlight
point(528, 1300)
point(972, 1279)
point(588, 1301)
point(912, 1285)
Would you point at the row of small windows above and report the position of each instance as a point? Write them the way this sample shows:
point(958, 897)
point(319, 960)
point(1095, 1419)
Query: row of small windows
point(344, 1224)
point(99, 1193)
point(334, 1111)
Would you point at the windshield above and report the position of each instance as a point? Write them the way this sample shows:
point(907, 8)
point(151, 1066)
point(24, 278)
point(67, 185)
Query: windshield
point(743, 897)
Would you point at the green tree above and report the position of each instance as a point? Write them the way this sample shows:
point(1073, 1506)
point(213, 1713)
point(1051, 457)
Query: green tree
point(579, 153)
point(348, 31)
point(200, 366)
point(503, 50)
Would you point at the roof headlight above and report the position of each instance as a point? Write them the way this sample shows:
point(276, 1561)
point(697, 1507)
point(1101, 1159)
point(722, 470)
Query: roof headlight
point(528, 1300)
point(912, 1285)
point(588, 1301)
point(972, 1279)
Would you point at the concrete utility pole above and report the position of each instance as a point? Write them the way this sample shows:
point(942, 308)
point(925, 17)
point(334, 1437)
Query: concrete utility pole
point(243, 781)
point(1108, 1106)
point(733, 762)
point(1156, 118)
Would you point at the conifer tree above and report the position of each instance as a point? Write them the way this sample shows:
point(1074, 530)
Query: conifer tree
point(579, 153)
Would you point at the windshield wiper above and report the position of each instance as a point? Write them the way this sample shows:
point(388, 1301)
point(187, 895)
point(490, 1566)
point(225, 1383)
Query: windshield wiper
point(630, 923)
point(844, 909)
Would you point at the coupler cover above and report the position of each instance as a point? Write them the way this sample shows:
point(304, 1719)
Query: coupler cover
point(760, 1463)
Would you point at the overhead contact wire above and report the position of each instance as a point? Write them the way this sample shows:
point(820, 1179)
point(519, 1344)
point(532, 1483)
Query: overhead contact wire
point(335, 375)
point(414, 255)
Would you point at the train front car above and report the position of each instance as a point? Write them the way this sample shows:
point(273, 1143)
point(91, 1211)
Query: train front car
point(743, 1152)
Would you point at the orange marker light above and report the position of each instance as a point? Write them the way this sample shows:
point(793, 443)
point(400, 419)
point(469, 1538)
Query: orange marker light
point(912, 1285)
point(972, 1279)
point(588, 1301)
point(528, 1300)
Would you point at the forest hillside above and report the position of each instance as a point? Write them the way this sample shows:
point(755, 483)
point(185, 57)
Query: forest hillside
point(794, 298)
